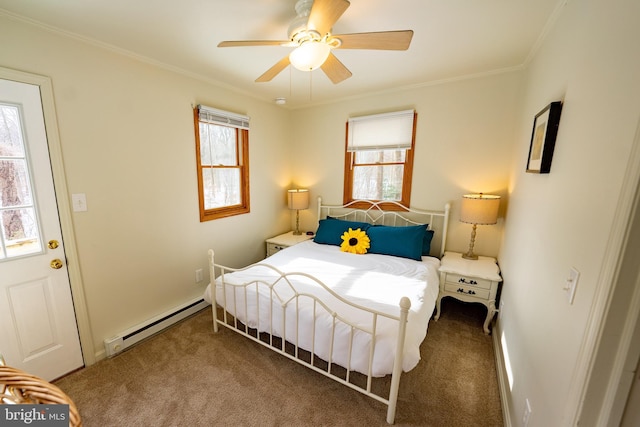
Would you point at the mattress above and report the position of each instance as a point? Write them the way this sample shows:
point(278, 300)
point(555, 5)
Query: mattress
point(375, 282)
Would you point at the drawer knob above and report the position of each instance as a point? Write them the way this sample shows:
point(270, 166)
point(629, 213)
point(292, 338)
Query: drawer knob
point(469, 292)
point(469, 282)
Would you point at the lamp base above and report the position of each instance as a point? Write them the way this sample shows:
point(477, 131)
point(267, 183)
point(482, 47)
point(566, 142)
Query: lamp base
point(297, 231)
point(470, 255)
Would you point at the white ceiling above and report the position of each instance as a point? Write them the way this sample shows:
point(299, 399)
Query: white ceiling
point(452, 39)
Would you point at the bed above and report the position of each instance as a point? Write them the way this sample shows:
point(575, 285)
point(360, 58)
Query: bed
point(356, 318)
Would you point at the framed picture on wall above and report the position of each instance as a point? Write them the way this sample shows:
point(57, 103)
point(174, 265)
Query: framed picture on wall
point(543, 138)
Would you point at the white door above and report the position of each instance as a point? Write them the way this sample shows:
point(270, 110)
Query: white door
point(38, 330)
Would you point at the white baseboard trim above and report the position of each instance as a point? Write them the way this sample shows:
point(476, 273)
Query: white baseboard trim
point(503, 382)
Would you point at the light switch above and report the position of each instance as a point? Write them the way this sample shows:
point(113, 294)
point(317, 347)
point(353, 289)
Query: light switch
point(79, 202)
point(572, 283)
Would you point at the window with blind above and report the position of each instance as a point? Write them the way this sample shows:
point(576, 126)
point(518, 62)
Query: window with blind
point(379, 157)
point(222, 155)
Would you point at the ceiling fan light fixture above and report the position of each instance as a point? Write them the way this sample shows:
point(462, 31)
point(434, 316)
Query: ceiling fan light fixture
point(309, 55)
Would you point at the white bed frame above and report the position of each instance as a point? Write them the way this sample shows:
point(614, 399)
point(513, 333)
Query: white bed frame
point(374, 214)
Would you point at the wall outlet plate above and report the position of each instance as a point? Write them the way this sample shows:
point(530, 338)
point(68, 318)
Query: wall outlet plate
point(572, 283)
point(527, 413)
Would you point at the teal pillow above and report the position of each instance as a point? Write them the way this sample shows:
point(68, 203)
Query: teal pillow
point(426, 243)
point(330, 230)
point(405, 242)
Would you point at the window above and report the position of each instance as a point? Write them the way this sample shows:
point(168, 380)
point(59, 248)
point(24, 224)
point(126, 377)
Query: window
point(19, 231)
point(379, 157)
point(222, 153)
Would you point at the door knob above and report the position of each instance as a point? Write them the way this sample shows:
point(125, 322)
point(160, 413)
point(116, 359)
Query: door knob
point(56, 264)
point(53, 244)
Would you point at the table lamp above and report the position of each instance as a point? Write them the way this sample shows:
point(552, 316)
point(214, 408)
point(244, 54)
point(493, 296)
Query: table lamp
point(478, 209)
point(298, 199)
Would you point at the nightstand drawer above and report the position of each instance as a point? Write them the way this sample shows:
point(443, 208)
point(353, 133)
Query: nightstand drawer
point(467, 290)
point(468, 281)
point(283, 241)
point(272, 248)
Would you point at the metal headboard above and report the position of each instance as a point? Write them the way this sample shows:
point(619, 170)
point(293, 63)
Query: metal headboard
point(373, 213)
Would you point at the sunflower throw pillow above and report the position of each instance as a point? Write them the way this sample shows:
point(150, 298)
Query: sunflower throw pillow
point(355, 241)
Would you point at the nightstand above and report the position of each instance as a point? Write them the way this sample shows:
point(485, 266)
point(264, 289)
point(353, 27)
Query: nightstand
point(470, 281)
point(285, 240)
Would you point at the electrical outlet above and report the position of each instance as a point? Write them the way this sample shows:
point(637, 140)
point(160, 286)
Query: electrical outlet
point(500, 311)
point(199, 275)
point(527, 413)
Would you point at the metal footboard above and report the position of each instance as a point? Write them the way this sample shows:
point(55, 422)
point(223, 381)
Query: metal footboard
point(276, 315)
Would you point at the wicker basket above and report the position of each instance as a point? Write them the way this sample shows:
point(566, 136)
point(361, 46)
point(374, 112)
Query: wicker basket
point(18, 387)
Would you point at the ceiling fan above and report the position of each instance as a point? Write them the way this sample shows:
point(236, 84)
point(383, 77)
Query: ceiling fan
point(310, 34)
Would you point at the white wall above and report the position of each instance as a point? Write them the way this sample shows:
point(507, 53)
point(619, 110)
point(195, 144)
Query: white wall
point(564, 219)
point(127, 136)
point(463, 144)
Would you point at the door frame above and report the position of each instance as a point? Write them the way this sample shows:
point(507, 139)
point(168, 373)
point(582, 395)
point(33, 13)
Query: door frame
point(603, 392)
point(64, 208)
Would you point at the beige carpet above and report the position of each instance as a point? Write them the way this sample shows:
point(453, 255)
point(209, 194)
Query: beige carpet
point(189, 376)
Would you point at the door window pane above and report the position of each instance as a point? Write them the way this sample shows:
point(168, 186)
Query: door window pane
point(10, 132)
point(15, 184)
point(19, 231)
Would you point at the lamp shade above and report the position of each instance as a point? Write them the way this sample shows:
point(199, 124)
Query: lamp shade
point(309, 55)
point(479, 209)
point(298, 199)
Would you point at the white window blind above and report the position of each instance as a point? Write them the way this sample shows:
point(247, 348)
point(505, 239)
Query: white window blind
point(221, 117)
point(381, 131)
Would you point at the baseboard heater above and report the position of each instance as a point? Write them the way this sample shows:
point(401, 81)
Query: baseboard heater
point(133, 335)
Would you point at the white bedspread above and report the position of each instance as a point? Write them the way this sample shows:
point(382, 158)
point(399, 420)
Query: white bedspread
point(374, 281)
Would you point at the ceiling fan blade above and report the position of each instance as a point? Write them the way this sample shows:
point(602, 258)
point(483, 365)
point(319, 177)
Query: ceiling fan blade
point(382, 40)
point(335, 70)
point(274, 71)
point(325, 13)
point(239, 43)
